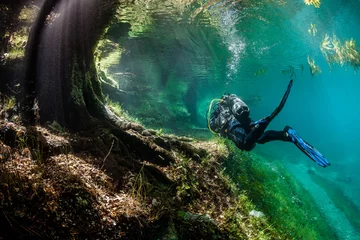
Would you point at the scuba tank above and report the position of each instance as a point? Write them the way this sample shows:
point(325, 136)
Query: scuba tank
point(227, 108)
point(239, 109)
point(218, 116)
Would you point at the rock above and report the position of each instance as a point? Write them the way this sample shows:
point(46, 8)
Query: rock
point(169, 233)
point(191, 217)
point(155, 202)
point(146, 133)
point(256, 214)
point(312, 170)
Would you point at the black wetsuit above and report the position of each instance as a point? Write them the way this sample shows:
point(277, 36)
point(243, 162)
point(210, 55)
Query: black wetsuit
point(231, 119)
point(242, 130)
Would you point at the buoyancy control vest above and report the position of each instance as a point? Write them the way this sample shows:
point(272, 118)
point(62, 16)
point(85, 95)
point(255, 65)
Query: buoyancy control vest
point(229, 108)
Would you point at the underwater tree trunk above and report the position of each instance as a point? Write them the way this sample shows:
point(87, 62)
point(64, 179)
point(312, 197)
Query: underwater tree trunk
point(61, 79)
point(60, 73)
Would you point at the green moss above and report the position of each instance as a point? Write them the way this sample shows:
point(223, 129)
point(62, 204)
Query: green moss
point(76, 94)
point(76, 80)
point(17, 42)
point(93, 84)
point(28, 13)
point(107, 55)
point(7, 103)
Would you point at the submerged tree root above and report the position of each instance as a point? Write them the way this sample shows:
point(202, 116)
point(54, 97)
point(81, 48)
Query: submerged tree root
point(64, 183)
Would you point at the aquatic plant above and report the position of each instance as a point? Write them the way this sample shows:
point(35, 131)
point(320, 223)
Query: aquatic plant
point(314, 69)
point(326, 47)
point(352, 55)
point(335, 52)
point(28, 13)
point(312, 30)
point(316, 3)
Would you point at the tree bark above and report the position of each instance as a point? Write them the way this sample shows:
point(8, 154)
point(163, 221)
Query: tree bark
point(60, 71)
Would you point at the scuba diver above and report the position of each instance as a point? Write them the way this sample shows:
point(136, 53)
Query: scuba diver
point(230, 118)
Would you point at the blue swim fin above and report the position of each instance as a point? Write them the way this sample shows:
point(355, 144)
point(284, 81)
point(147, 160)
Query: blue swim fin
point(306, 148)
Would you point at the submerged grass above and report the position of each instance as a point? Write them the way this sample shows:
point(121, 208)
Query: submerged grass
point(271, 189)
point(207, 191)
point(119, 111)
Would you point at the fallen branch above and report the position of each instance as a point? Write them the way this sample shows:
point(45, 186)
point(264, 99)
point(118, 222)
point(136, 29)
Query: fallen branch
point(112, 145)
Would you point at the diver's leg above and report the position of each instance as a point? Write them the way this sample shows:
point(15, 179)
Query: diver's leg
point(282, 103)
point(305, 147)
point(272, 135)
point(238, 135)
point(257, 133)
point(258, 127)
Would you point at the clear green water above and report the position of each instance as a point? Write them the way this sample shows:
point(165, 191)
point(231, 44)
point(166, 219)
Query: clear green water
point(176, 59)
